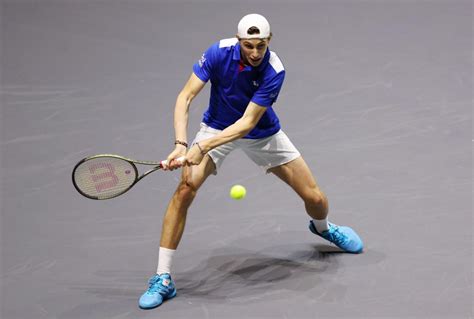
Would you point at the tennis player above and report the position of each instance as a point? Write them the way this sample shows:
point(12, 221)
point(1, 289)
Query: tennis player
point(246, 78)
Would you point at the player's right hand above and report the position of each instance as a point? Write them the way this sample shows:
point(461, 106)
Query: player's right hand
point(172, 159)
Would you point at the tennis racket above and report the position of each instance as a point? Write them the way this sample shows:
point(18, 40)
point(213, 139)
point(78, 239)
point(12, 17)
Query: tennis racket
point(106, 176)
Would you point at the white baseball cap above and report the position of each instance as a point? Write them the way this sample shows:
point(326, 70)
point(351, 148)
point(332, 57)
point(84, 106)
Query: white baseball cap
point(253, 20)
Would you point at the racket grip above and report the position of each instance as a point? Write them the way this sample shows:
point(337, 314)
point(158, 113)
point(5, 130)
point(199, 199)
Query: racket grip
point(179, 159)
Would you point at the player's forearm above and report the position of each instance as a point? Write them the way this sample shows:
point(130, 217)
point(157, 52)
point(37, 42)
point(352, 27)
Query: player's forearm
point(235, 131)
point(181, 114)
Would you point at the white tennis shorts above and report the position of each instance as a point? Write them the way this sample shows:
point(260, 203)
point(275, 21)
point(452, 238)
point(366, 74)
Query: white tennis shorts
point(266, 152)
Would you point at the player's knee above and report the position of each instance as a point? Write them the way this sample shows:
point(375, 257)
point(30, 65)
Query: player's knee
point(316, 198)
point(187, 188)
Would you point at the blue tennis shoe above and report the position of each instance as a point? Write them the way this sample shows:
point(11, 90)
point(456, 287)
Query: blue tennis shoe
point(342, 236)
point(161, 287)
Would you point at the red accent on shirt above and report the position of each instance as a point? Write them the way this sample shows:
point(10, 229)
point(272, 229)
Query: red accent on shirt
point(241, 66)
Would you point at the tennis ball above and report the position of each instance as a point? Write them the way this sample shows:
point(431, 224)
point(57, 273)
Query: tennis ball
point(237, 192)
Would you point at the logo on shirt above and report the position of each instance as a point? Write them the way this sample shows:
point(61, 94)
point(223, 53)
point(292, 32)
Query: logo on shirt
point(202, 60)
point(255, 83)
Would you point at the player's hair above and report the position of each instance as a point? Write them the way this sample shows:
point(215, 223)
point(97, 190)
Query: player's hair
point(253, 30)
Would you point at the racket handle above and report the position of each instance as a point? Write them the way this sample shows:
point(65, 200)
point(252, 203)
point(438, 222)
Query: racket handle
point(179, 159)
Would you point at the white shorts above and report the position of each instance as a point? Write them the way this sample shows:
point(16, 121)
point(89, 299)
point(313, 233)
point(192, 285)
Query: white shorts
point(266, 152)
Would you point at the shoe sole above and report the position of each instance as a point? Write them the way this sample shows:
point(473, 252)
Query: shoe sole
point(173, 294)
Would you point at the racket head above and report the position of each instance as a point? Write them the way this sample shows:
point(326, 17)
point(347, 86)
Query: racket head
point(104, 176)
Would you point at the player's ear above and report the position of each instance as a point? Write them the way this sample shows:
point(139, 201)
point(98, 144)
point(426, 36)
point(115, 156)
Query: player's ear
point(269, 37)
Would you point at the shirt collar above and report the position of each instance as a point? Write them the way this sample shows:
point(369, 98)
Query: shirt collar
point(237, 52)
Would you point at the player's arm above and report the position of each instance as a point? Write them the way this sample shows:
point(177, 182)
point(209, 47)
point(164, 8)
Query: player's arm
point(181, 112)
point(239, 129)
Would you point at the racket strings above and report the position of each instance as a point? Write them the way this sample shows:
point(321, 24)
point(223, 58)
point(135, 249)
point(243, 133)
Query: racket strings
point(104, 177)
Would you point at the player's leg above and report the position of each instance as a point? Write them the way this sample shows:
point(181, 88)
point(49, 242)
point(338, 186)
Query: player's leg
point(161, 286)
point(279, 156)
point(192, 178)
point(298, 175)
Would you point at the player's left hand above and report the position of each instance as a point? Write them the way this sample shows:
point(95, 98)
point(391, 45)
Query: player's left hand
point(194, 156)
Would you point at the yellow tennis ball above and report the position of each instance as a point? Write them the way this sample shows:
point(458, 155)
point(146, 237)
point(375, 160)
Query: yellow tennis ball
point(238, 192)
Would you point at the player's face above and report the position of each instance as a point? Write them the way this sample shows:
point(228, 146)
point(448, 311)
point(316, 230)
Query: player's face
point(253, 50)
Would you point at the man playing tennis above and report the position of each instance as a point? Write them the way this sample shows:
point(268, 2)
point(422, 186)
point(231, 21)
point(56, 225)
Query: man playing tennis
point(246, 78)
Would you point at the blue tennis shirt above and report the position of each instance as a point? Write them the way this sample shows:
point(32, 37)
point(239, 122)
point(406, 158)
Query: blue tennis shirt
point(233, 87)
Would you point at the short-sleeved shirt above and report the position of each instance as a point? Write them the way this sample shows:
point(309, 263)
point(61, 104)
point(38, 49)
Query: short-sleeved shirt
point(234, 86)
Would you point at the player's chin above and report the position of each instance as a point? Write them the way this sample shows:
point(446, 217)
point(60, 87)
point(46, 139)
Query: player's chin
point(255, 63)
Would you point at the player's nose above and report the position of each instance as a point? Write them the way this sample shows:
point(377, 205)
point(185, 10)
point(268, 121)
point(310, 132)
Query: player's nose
point(255, 55)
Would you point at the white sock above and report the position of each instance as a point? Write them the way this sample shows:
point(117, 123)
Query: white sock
point(321, 224)
point(165, 259)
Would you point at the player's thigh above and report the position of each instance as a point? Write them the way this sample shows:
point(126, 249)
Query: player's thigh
point(194, 176)
point(298, 176)
point(269, 152)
